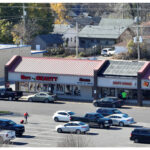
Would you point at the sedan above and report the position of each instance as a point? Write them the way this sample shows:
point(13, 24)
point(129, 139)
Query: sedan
point(121, 119)
point(42, 97)
point(108, 102)
point(73, 127)
point(63, 115)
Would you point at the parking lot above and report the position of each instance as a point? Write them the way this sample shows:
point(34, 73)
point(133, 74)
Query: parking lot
point(40, 129)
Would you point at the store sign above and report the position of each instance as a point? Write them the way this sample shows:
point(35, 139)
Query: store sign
point(84, 80)
point(23, 77)
point(145, 84)
point(45, 78)
point(122, 83)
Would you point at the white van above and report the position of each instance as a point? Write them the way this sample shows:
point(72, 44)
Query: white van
point(107, 52)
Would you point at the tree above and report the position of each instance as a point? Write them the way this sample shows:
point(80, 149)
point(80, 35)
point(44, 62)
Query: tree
point(60, 11)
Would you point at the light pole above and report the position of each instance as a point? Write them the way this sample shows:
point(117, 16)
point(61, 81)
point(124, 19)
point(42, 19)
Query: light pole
point(94, 47)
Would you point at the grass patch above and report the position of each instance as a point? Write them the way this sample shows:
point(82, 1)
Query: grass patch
point(5, 112)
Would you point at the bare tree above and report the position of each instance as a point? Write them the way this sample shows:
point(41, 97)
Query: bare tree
point(75, 141)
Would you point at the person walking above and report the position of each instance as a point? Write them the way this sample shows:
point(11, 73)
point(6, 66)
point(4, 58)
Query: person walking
point(26, 115)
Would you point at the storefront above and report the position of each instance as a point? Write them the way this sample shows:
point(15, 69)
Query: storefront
point(70, 79)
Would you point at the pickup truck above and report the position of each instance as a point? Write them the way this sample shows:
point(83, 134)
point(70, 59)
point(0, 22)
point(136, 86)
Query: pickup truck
point(94, 120)
point(6, 136)
point(10, 94)
point(6, 124)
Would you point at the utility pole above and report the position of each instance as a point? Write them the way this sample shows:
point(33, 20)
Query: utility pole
point(76, 40)
point(24, 23)
point(138, 42)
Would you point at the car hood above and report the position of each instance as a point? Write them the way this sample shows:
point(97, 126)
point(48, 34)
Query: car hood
point(30, 96)
point(105, 119)
point(59, 126)
point(18, 126)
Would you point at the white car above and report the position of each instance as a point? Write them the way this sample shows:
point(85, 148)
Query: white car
point(107, 52)
point(121, 119)
point(73, 127)
point(6, 136)
point(63, 115)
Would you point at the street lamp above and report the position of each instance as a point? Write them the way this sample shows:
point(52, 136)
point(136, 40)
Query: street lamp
point(94, 47)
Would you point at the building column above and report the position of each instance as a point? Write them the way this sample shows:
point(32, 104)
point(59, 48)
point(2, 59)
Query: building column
point(95, 88)
point(16, 86)
point(139, 90)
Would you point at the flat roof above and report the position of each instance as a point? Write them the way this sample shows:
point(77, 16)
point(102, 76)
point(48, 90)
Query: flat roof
point(8, 46)
point(57, 66)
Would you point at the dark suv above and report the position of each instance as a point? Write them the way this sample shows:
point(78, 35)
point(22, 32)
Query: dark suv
point(10, 125)
point(108, 111)
point(140, 135)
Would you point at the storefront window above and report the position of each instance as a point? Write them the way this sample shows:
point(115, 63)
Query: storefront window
point(76, 90)
point(60, 88)
point(39, 87)
point(32, 87)
point(69, 89)
point(24, 86)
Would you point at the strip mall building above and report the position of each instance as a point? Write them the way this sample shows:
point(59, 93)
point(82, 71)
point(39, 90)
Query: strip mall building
point(78, 79)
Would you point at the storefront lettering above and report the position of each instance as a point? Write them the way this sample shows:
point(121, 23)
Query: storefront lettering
point(23, 77)
point(84, 80)
point(43, 78)
point(122, 83)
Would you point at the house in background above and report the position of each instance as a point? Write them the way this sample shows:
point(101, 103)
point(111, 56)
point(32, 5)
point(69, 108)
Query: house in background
point(42, 42)
point(106, 34)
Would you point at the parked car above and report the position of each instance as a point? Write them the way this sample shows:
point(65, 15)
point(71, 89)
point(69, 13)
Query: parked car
point(121, 119)
point(6, 124)
point(140, 135)
point(73, 127)
point(6, 136)
point(108, 111)
point(94, 120)
point(108, 102)
point(108, 51)
point(10, 94)
point(63, 115)
point(42, 97)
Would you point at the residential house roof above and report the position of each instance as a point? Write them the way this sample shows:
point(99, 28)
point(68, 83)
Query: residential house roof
point(51, 38)
point(59, 66)
point(122, 68)
point(90, 31)
point(115, 22)
point(61, 28)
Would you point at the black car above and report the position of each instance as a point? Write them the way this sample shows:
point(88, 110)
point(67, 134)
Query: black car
point(108, 102)
point(140, 135)
point(6, 124)
point(108, 111)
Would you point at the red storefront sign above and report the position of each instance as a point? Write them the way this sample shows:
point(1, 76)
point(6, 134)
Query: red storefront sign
point(44, 78)
point(23, 77)
point(145, 83)
point(84, 80)
point(122, 83)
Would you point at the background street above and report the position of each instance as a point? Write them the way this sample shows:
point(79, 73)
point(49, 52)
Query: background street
point(40, 129)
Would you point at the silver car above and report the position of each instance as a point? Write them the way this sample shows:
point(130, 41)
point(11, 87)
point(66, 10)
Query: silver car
point(73, 127)
point(121, 119)
point(42, 97)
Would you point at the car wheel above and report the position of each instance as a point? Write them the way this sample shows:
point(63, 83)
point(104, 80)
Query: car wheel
point(10, 98)
point(101, 126)
point(56, 119)
point(108, 127)
point(136, 140)
point(113, 106)
point(121, 124)
point(78, 132)
point(46, 100)
point(30, 99)
point(59, 130)
point(96, 104)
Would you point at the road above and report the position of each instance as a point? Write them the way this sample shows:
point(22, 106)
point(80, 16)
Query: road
point(40, 129)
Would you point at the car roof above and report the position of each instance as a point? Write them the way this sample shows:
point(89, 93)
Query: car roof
point(5, 120)
point(63, 111)
point(75, 122)
point(92, 113)
point(142, 128)
point(118, 115)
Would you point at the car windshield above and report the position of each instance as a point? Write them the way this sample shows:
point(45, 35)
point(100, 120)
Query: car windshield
point(99, 116)
point(117, 111)
point(11, 122)
point(71, 113)
point(104, 50)
point(81, 123)
point(125, 116)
